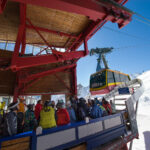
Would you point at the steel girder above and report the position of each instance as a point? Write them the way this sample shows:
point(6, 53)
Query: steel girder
point(2, 5)
point(99, 11)
point(89, 8)
point(24, 80)
point(94, 9)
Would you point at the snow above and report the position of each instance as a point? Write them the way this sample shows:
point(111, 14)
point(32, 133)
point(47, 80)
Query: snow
point(83, 91)
point(143, 117)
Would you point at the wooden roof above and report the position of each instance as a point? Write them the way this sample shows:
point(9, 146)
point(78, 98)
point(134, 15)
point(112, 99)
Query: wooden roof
point(46, 18)
point(52, 19)
point(46, 84)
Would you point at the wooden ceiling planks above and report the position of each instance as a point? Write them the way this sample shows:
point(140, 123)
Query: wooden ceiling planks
point(47, 18)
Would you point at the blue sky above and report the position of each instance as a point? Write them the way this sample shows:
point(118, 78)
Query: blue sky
point(131, 55)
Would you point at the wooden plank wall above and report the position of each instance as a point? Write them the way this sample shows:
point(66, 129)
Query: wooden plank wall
point(17, 144)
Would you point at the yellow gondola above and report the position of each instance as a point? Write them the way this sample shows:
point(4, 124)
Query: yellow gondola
point(104, 81)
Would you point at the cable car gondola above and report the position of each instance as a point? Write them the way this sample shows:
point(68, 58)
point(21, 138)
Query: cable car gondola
point(104, 81)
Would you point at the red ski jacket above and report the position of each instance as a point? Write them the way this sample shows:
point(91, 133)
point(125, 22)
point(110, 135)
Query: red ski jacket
point(62, 117)
point(37, 111)
point(108, 108)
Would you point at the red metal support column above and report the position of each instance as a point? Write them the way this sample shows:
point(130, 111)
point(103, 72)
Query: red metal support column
point(86, 47)
point(20, 36)
point(17, 47)
point(35, 28)
point(23, 22)
point(74, 75)
point(42, 51)
point(23, 42)
point(2, 5)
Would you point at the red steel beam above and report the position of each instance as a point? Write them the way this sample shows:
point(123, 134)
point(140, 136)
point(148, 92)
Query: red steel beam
point(45, 73)
point(52, 31)
point(21, 34)
point(85, 7)
point(74, 75)
point(76, 41)
point(33, 27)
point(17, 45)
point(53, 51)
point(2, 5)
point(26, 62)
point(86, 47)
point(23, 22)
point(41, 51)
point(23, 42)
point(88, 32)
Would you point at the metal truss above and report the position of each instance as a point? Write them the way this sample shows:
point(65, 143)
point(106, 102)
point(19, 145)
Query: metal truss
point(99, 12)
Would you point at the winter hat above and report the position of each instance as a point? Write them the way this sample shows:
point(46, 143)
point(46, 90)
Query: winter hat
point(13, 106)
point(60, 104)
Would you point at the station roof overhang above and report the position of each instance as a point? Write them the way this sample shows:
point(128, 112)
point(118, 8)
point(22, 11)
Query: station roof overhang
point(64, 24)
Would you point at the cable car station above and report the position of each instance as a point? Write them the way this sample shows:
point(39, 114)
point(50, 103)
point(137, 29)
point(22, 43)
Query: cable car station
point(57, 29)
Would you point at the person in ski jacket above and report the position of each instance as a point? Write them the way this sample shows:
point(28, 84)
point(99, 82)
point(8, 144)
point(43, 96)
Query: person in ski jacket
point(21, 105)
point(96, 111)
point(83, 104)
point(20, 122)
point(105, 113)
point(62, 114)
point(82, 110)
point(47, 116)
point(113, 106)
point(2, 105)
point(99, 103)
point(38, 109)
point(74, 102)
point(30, 121)
point(10, 120)
point(107, 106)
point(71, 112)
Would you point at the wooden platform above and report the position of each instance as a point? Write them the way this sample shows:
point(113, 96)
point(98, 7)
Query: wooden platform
point(17, 144)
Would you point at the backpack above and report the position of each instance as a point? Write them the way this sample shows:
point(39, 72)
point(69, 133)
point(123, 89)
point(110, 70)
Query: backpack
point(10, 124)
point(96, 112)
point(80, 114)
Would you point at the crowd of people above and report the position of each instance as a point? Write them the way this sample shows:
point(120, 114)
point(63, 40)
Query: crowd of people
point(49, 114)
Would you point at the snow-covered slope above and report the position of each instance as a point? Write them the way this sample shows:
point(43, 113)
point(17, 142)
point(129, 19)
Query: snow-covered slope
point(145, 77)
point(143, 117)
point(83, 91)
